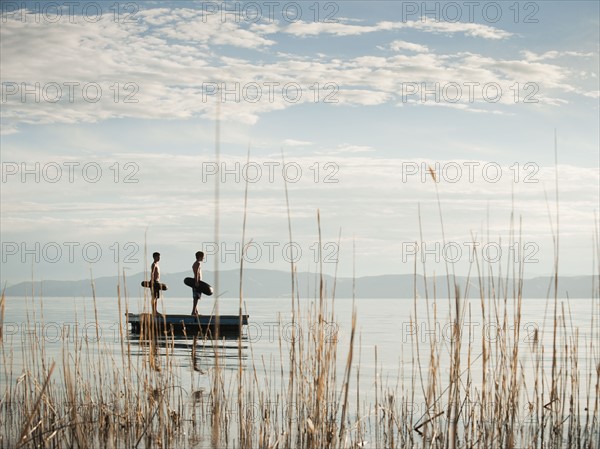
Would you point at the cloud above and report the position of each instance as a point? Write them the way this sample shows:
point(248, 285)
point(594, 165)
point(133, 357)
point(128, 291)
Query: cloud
point(350, 178)
point(362, 97)
point(468, 29)
point(402, 45)
point(164, 66)
point(553, 54)
point(304, 29)
point(297, 143)
point(216, 32)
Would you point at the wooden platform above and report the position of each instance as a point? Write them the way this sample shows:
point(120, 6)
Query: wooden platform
point(203, 325)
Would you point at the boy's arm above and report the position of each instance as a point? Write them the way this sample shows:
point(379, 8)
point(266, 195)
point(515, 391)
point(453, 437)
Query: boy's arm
point(195, 269)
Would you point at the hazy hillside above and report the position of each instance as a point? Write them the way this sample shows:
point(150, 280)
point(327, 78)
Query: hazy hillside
point(273, 284)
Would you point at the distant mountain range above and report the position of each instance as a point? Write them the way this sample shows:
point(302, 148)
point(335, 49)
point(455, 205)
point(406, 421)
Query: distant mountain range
point(277, 284)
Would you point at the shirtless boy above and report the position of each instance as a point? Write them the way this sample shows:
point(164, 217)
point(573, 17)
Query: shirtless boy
point(197, 269)
point(155, 281)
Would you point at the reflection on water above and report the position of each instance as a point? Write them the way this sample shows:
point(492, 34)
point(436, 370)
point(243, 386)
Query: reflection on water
point(198, 353)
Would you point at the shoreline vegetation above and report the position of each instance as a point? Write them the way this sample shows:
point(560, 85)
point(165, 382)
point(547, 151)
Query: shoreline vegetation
point(489, 394)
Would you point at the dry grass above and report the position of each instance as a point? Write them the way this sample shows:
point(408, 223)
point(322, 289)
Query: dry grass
point(2, 306)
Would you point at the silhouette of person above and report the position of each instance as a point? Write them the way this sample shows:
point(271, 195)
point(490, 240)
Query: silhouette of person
point(197, 269)
point(155, 281)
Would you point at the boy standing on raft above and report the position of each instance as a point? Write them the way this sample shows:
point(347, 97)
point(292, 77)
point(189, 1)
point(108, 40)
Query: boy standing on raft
point(155, 281)
point(197, 269)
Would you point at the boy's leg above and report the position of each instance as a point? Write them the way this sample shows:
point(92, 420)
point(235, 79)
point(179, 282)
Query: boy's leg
point(155, 296)
point(196, 299)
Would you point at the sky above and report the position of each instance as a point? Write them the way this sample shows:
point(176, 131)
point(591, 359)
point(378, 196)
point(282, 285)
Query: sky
point(390, 137)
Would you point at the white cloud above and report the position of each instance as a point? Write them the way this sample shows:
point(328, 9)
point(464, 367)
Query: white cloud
point(403, 45)
point(216, 33)
point(469, 29)
point(553, 54)
point(385, 189)
point(169, 54)
point(297, 143)
point(304, 29)
point(362, 97)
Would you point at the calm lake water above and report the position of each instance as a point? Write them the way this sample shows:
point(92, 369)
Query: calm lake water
point(386, 328)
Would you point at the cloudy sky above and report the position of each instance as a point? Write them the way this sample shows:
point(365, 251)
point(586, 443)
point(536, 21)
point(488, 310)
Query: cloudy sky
point(109, 135)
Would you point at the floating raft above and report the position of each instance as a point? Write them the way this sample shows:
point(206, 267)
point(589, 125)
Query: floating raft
point(205, 325)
